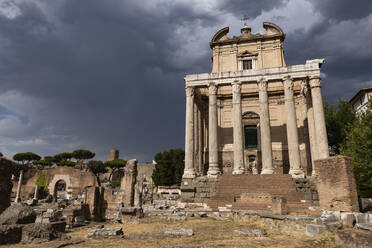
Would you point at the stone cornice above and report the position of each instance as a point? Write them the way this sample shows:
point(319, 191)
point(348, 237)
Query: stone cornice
point(310, 69)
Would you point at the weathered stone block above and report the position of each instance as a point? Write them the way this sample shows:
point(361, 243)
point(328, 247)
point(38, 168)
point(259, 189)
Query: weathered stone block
point(180, 232)
point(279, 205)
point(348, 219)
point(18, 214)
point(105, 232)
point(364, 226)
point(313, 229)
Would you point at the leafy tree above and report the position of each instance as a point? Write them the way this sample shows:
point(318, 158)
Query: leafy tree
point(66, 163)
point(42, 162)
point(358, 145)
point(1, 154)
point(81, 155)
point(169, 168)
point(41, 180)
point(339, 121)
point(115, 165)
point(97, 168)
point(63, 156)
point(26, 157)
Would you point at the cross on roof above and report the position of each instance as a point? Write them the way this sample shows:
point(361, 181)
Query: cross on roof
point(245, 19)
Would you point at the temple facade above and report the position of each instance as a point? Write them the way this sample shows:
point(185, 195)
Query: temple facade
point(253, 114)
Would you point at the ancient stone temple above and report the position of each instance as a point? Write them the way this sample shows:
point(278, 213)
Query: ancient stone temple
point(252, 114)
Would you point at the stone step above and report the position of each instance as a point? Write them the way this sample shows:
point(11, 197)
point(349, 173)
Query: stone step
point(230, 187)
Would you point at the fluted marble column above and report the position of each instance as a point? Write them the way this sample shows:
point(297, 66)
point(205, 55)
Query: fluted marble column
point(310, 123)
point(266, 149)
point(213, 169)
point(319, 119)
point(237, 128)
point(292, 132)
point(189, 171)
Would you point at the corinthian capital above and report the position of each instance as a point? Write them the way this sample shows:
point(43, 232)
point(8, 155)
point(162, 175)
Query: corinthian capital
point(212, 89)
point(314, 81)
point(262, 84)
point(189, 91)
point(236, 87)
point(288, 83)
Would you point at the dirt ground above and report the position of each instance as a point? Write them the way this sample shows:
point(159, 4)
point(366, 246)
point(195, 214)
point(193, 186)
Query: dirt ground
point(208, 232)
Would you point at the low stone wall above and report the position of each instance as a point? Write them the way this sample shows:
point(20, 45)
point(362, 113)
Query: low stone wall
point(199, 189)
point(336, 184)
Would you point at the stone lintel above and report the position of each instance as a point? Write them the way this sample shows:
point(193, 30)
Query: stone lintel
point(278, 73)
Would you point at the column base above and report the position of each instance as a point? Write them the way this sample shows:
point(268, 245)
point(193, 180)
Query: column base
point(238, 172)
point(267, 171)
point(297, 173)
point(17, 200)
point(189, 174)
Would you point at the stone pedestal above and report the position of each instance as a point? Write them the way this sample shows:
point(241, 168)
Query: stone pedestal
point(336, 184)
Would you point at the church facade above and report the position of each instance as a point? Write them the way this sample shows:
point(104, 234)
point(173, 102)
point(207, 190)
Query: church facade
point(253, 114)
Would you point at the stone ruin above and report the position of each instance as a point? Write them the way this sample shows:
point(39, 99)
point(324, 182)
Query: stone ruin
point(75, 200)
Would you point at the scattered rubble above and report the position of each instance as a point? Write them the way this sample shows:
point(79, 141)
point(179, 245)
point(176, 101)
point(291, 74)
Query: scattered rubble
point(353, 239)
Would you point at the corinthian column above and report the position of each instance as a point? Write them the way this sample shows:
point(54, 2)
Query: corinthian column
point(213, 169)
point(310, 123)
point(266, 150)
point(189, 171)
point(292, 132)
point(319, 120)
point(237, 128)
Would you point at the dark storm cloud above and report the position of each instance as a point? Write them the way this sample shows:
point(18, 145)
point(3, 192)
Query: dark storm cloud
point(343, 9)
point(103, 74)
point(251, 9)
point(105, 70)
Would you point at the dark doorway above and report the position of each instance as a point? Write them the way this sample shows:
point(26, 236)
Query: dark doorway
point(250, 134)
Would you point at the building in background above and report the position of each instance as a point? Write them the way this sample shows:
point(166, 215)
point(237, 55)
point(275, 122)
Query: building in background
point(360, 100)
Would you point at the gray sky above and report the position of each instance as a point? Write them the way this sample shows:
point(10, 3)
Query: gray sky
point(102, 74)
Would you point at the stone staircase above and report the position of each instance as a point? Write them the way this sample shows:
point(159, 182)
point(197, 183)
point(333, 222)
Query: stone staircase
point(255, 192)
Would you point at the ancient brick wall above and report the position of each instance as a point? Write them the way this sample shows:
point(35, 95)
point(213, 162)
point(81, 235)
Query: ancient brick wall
point(5, 184)
point(76, 180)
point(336, 184)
